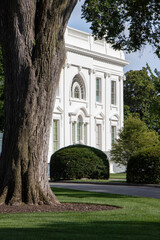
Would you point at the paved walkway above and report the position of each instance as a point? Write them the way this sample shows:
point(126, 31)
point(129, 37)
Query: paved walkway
point(139, 191)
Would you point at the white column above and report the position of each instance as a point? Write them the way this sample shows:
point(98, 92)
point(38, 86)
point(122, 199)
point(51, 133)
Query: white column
point(107, 111)
point(92, 107)
point(121, 104)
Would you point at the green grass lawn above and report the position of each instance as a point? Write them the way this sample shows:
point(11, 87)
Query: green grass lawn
point(139, 219)
point(118, 176)
point(114, 177)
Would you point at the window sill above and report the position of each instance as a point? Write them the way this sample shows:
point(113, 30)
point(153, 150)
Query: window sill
point(99, 104)
point(114, 107)
point(71, 100)
point(58, 98)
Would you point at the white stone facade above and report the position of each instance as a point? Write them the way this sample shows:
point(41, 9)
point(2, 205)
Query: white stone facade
point(89, 102)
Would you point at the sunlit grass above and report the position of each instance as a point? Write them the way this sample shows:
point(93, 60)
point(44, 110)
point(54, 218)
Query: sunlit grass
point(138, 219)
point(114, 177)
point(118, 176)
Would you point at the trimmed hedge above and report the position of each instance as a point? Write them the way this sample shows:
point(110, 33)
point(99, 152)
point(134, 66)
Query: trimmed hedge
point(79, 161)
point(144, 166)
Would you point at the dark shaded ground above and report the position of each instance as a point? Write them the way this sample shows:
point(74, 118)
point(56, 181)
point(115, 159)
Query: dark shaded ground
point(63, 207)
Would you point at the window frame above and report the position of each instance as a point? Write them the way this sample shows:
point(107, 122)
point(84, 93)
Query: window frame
point(99, 90)
point(79, 129)
point(113, 92)
point(56, 140)
point(99, 136)
point(113, 134)
point(78, 82)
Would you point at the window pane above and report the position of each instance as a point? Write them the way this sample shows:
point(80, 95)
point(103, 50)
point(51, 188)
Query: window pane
point(78, 88)
point(55, 135)
point(79, 129)
point(98, 89)
point(73, 133)
point(78, 132)
point(113, 92)
point(76, 92)
point(98, 136)
point(85, 134)
point(113, 134)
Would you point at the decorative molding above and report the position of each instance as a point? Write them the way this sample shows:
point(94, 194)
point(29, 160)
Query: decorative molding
point(60, 109)
point(96, 55)
point(97, 104)
point(91, 71)
point(105, 75)
point(83, 109)
point(79, 69)
point(120, 78)
point(113, 107)
point(100, 116)
point(68, 65)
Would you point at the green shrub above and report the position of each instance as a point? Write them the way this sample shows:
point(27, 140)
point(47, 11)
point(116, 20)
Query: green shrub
point(132, 138)
point(144, 166)
point(79, 161)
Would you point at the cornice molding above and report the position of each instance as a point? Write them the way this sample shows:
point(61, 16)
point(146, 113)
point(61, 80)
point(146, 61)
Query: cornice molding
point(96, 55)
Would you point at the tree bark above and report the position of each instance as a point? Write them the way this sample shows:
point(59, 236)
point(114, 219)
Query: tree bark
point(34, 53)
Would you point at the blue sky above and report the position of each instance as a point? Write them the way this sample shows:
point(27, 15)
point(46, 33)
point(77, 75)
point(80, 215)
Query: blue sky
point(137, 59)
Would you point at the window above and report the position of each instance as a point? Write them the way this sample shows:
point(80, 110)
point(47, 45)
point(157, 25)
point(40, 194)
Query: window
point(73, 133)
point(78, 88)
point(85, 134)
point(113, 92)
point(113, 134)
point(99, 136)
point(98, 90)
point(76, 92)
point(79, 129)
point(55, 135)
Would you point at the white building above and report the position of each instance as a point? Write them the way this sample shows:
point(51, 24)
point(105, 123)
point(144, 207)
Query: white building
point(89, 102)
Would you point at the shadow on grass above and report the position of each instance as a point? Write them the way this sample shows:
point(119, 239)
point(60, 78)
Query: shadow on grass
point(96, 230)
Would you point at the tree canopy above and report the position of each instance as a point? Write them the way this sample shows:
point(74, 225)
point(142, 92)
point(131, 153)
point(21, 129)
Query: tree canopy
point(141, 96)
point(133, 137)
point(127, 24)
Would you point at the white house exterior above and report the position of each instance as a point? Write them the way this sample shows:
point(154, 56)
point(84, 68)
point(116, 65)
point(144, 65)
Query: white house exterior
point(89, 102)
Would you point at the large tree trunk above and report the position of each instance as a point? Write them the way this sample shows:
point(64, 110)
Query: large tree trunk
point(34, 53)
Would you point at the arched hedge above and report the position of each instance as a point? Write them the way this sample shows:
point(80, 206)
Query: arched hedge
point(79, 161)
point(144, 166)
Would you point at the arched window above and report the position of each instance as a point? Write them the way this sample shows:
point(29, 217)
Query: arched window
point(78, 88)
